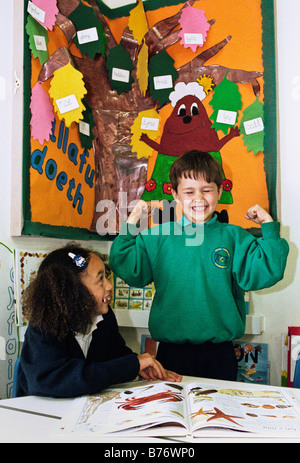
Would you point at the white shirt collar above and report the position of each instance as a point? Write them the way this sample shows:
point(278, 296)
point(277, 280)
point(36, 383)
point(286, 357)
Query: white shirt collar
point(84, 340)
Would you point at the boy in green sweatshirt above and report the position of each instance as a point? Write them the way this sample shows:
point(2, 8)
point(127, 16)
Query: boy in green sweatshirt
point(200, 268)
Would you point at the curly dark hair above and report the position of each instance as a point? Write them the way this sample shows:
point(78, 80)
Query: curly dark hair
point(57, 301)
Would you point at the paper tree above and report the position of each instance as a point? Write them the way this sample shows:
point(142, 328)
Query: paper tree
point(118, 164)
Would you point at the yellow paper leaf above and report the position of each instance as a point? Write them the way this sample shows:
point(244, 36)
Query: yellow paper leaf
point(138, 22)
point(67, 91)
point(146, 123)
point(142, 73)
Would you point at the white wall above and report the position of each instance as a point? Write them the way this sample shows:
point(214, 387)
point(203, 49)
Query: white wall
point(280, 304)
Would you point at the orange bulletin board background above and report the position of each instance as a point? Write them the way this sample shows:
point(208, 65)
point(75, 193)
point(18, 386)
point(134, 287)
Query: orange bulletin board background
point(63, 181)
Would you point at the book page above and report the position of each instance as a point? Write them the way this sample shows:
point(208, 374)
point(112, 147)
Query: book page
point(245, 409)
point(129, 411)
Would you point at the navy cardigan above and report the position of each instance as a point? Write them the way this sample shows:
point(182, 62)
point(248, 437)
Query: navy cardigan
point(59, 369)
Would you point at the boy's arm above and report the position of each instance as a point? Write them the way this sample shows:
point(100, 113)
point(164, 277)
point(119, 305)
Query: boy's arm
point(258, 215)
point(260, 263)
point(129, 258)
point(140, 212)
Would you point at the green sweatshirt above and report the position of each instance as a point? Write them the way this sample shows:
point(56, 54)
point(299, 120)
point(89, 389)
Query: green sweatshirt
point(199, 278)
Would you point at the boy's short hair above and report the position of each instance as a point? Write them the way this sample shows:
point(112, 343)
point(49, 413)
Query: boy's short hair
point(195, 164)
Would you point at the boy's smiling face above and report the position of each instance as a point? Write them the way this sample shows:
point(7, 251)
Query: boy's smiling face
point(198, 198)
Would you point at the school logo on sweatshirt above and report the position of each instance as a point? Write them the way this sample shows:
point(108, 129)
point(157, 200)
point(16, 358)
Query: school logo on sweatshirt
point(221, 258)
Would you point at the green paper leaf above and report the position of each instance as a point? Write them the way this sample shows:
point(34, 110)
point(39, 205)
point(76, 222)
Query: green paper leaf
point(226, 196)
point(86, 133)
point(226, 97)
point(253, 121)
point(119, 66)
point(38, 39)
point(161, 74)
point(90, 37)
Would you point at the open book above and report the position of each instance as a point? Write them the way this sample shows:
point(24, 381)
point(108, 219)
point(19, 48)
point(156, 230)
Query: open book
point(171, 409)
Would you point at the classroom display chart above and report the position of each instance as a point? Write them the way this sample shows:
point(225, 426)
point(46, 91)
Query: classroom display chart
point(253, 364)
point(9, 342)
point(129, 298)
point(26, 265)
point(107, 100)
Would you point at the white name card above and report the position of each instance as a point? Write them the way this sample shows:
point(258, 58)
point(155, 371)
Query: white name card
point(149, 123)
point(193, 39)
point(254, 126)
point(121, 75)
point(84, 128)
point(67, 104)
point(36, 12)
point(40, 43)
point(226, 117)
point(162, 82)
point(87, 35)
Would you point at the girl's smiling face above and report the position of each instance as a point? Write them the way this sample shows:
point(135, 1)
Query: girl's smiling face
point(95, 280)
point(198, 198)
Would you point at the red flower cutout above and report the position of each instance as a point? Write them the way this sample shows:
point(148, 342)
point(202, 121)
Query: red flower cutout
point(150, 185)
point(167, 188)
point(227, 185)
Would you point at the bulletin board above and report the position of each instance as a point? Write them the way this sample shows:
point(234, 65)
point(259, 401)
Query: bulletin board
point(102, 86)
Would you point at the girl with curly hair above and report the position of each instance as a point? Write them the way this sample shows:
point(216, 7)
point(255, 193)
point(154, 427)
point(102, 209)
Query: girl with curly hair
point(72, 345)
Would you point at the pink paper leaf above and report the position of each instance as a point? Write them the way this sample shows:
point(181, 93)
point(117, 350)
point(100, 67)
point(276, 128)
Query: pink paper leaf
point(194, 27)
point(49, 8)
point(42, 114)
